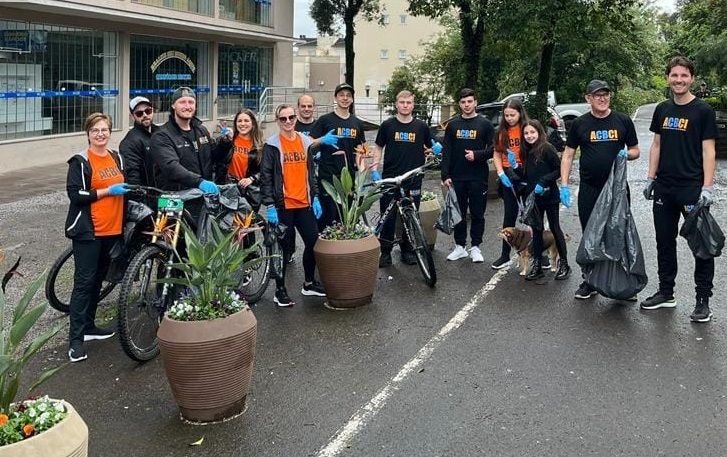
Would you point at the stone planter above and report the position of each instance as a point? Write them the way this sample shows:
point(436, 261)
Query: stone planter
point(348, 270)
point(68, 438)
point(209, 364)
point(429, 212)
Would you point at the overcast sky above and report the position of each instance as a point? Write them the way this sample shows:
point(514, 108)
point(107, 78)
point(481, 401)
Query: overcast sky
point(304, 25)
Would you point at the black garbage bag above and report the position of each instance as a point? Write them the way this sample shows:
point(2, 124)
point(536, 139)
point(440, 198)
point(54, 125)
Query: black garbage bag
point(221, 207)
point(531, 214)
point(702, 233)
point(451, 214)
point(610, 253)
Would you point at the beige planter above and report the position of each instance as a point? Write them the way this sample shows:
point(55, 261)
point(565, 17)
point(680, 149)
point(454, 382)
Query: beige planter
point(348, 270)
point(68, 438)
point(209, 364)
point(429, 212)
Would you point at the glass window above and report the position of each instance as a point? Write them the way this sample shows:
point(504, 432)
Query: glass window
point(402, 54)
point(384, 54)
point(191, 6)
point(253, 11)
point(385, 19)
point(402, 19)
point(243, 72)
point(52, 77)
point(160, 65)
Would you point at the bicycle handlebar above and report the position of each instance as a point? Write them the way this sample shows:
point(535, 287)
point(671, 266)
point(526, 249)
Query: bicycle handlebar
point(397, 180)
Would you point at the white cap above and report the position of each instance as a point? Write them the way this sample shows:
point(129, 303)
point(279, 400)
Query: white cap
point(136, 101)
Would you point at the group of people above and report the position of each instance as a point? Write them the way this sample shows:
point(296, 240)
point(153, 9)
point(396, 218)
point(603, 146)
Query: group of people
point(290, 165)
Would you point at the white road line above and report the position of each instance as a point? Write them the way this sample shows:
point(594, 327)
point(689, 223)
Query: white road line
point(363, 416)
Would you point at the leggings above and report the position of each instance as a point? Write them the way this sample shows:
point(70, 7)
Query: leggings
point(303, 220)
point(509, 217)
point(552, 210)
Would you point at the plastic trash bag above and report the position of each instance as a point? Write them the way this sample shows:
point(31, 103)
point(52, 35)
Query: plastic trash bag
point(223, 208)
point(531, 214)
point(703, 234)
point(451, 215)
point(610, 252)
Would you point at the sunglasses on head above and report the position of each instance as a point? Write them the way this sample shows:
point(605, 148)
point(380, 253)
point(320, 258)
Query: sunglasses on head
point(140, 113)
point(288, 119)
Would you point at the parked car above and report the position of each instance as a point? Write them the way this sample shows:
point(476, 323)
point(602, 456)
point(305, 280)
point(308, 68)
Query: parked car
point(522, 96)
point(555, 127)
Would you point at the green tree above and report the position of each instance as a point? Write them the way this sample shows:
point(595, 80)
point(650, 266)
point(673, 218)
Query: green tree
point(404, 78)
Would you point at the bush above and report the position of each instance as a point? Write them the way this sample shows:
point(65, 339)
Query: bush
point(719, 102)
point(628, 99)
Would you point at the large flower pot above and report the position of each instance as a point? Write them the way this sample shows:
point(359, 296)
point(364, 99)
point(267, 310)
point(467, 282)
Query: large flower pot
point(429, 212)
point(209, 364)
point(68, 438)
point(348, 270)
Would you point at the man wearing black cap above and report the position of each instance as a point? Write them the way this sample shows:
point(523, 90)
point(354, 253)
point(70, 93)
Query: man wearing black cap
point(136, 146)
point(601, 134)
point(349, 132)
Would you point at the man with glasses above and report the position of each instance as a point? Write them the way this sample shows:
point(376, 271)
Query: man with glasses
point(602, 135)
point(136, 146)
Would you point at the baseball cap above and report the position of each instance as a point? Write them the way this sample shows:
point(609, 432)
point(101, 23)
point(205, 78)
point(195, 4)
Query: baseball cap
point(136, 101)
point(182, 92)
point(596, 85)
point(342, 86)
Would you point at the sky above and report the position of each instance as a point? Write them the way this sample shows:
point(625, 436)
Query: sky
point(304, 25)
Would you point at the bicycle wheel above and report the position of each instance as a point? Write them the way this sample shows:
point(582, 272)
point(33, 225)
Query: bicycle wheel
point(255, 278)
point(416, 237)
point(141, 304)
point(59, 283)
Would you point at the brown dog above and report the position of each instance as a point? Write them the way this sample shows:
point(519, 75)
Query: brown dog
point(520, 240)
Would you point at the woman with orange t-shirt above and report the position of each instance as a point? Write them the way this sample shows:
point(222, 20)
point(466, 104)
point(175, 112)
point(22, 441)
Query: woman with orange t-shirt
point(95, 187)
point(507, 163)
point(242, 162)
point(287, 185)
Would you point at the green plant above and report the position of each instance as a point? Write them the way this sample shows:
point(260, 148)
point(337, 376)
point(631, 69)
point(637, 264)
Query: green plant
point(28, 418)
point(427, 196)
point(352, 202)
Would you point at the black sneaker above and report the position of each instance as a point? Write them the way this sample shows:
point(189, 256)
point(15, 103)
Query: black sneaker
point(659, 300)
point(281, 298)
point(701, 312)
point(563, 270)
point(408, 258)
point(76, 353)
point(97, 334)
point(502, 262)
point(385, 259)
point(545, 262)
point(585, 291)
point(314, 289)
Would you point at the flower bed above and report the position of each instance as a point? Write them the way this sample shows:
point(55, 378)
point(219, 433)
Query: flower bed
point(29, 418)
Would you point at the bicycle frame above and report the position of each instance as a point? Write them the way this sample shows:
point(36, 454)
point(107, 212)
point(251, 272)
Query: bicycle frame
point(403, 201)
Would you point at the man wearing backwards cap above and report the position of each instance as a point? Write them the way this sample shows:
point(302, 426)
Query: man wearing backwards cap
point(338, 130)
point(135, 148)
point(602, 134)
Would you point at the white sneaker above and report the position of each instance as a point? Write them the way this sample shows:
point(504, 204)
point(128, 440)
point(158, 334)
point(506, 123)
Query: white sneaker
point(459, 253)
point(476, 255)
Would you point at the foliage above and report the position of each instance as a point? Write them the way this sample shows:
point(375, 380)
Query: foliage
point(338, 232)
point(427, 196)
point(352, 200)
point(404, 78)
point(14, 355)
point(719, 102)
point(186, 308)
point(628, 99)
point(29, 418)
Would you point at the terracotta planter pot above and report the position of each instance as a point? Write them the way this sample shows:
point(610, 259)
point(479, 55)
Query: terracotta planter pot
point(68, 438)
point(348, 270)
point(209, 364)
point(429, 212)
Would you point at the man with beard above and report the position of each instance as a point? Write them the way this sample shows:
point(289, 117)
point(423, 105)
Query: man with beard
point(135, 148)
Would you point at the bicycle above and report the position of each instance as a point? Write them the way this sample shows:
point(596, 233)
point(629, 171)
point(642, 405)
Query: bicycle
point(407, 211)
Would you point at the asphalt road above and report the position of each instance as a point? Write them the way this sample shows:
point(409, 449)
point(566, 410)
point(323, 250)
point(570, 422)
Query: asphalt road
point(485, 364)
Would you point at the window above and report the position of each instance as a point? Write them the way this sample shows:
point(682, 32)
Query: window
point(402, 19)
point(253, 11)
point(243, 74)
point(385, 19)
point(160, 65)
point(190, 6)
point(402, 54)
point(384, 54)
point(52, 77)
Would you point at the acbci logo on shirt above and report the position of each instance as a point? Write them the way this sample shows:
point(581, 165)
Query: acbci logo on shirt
point(675, 123)
point(604, 135)
point(110, 172)
point(466, 134)
point(346, 132)
point(406, 137)
point(290, 157)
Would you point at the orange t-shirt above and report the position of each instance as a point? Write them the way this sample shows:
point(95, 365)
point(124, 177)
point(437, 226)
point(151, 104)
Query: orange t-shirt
point(514, 135)
point(106, 213)
point(240, 157)
point(295, 172)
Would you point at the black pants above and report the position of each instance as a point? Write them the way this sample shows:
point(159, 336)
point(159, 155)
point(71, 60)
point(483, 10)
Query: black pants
point(303, 220)
point(669, 203)
point(91, 260)
point(552, 211)
point(329, 206)
point(471, 195)
point(509, 217)
point(386, 237)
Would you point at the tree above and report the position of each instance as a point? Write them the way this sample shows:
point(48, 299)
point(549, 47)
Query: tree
point(328, 14)
point(404, 78)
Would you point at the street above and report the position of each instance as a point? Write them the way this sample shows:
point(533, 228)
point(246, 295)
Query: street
point(484, 364)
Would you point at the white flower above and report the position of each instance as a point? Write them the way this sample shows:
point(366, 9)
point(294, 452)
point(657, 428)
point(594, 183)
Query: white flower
point(31, 412)
point(59, 407)
point(42, 406)
point(43, 417)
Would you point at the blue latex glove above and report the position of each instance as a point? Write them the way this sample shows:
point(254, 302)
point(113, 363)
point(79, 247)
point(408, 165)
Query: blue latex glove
point(118, 189)
point(623, 153)
point(504, 180)
point(706, 198)
point(273, 215)
point(224, 131)
point(565, 196)
point(375, 175)
point(208, 187)
point(329, 139)
point(436, 148)
point(317, 210)
point(512, 159)
point(539, 190)
point(649, 189)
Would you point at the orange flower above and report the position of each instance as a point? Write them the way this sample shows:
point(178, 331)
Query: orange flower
point(28, 430)
point(3, 420)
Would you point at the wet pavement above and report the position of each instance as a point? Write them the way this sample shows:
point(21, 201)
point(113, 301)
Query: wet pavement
point(522, 369)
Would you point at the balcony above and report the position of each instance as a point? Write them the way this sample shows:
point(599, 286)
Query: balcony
point(249, 11)
point(203, 7)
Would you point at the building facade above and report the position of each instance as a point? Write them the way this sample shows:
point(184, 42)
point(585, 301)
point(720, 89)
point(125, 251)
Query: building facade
point(62, 60)
point(319, 64)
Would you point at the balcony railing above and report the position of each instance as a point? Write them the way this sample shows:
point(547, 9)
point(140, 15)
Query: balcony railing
point(190, 6)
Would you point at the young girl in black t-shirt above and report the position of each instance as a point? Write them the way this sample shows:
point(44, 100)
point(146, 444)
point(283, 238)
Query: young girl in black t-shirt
point(541, 169)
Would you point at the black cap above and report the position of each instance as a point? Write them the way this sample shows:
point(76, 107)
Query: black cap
point(182, 92)
point(596, 85)
point(342, 86)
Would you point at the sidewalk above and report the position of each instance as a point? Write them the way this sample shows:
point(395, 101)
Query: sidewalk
point(29, 182)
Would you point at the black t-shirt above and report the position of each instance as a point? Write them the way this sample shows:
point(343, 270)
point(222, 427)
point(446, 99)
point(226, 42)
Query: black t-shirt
point(475, 133)
point(600, 140)
point(403, 145)
point(545, 170)
point(304, 128)
point(351, 133)
point(682, 129)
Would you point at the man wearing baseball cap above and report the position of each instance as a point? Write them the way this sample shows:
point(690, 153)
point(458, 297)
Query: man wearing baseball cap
point(602, 134)
point(135, 148)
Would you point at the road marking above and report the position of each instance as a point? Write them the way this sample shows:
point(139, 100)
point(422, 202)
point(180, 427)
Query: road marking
point(363, 416)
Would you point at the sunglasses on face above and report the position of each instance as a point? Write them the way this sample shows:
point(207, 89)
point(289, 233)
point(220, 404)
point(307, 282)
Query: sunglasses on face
point(140, 113)
point(287, 119)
